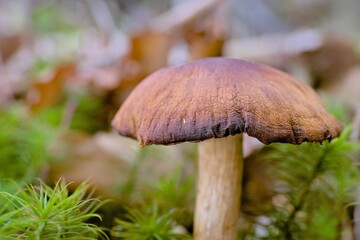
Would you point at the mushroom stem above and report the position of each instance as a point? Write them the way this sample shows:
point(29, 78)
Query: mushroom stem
point(219, 188)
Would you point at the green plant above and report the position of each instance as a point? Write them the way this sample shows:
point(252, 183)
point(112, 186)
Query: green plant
point(175, 191)
point(148, 224)
point(170, 197)
point(42, 212)
point(314, 184)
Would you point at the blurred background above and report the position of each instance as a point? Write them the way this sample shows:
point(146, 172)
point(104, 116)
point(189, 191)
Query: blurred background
point(66, 66)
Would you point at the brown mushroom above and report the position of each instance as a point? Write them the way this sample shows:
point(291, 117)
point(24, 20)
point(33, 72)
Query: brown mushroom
point(218, 99)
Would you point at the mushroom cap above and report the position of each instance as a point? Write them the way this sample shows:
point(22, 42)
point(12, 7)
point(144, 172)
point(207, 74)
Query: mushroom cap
point(217, 97)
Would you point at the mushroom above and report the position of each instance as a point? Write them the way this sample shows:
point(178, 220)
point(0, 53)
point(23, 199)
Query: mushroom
point(213, 101)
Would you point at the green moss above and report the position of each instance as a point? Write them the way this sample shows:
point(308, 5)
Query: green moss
point(24, 145)
point(41, 212)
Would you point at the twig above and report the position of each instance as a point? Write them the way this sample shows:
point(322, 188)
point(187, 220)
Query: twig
point(68, 115)
point(101, 14)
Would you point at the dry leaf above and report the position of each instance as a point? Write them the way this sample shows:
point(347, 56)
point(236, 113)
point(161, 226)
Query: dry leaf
point(45, 93)
point(150, 50)
point(329, 62)
point(9, 44)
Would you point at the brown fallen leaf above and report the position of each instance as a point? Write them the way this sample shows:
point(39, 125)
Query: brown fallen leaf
point(46, 92)
point(328, 63)
point(207, 35)
point(9, 44)
point(150, 50)
point(347, 89)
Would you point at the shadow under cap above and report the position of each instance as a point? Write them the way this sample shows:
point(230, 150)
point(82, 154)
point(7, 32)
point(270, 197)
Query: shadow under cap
point(218, 97)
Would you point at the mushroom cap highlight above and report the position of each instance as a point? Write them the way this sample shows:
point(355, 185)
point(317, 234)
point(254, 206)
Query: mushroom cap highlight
point(218, 97)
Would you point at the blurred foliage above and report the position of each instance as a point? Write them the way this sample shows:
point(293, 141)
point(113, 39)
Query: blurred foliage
point(128, 189)
point(25, 143)
point(47, 18)
point(40, 66)
point(90, 114)
point(41, 212)
point(338, 108)
point(81, 111)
